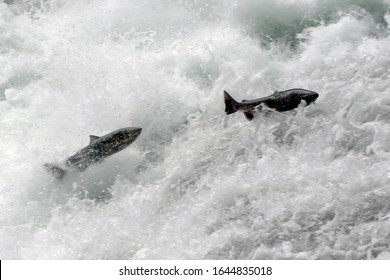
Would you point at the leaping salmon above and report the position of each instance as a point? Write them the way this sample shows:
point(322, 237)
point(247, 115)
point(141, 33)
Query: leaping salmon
point(280, 101)
point(98, 149)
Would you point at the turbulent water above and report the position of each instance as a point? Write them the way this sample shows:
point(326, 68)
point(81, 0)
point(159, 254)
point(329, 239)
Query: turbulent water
point(313, 183)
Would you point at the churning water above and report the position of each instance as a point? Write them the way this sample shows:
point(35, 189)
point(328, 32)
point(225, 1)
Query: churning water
point(197, 184)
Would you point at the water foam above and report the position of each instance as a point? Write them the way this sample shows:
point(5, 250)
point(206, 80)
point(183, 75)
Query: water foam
point(197, 183)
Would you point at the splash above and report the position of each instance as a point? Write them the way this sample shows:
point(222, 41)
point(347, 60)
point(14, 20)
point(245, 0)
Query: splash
point(309, 184)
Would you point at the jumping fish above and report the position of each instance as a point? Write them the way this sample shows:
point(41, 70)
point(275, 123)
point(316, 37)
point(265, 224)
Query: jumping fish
point(98, 149)
point(280, 101)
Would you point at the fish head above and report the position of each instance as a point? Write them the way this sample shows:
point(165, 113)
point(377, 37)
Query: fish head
point(309, 97)
point(129, 134)
point(122, 138)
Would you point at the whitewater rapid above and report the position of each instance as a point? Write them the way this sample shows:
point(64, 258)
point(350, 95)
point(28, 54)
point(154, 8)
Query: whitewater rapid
point(197, 184)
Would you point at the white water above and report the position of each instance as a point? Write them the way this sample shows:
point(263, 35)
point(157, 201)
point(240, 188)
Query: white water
point(196, 184)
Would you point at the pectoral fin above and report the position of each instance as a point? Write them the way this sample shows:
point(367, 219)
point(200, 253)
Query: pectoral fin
point(249, 116)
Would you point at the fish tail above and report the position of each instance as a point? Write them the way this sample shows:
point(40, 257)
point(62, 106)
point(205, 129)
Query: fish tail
point(231, 105)
point(57, 171)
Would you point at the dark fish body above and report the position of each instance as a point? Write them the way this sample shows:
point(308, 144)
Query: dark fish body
point(98, 149)
point(280, 101)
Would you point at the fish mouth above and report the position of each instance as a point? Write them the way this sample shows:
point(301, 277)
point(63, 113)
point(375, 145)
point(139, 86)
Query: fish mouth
point(138, 130)
point(134, 133)
point(311, 98)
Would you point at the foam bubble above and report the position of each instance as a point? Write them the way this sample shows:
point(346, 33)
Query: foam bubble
point(309, 184)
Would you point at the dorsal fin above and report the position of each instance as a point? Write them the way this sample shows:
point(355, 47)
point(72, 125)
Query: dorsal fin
point(93, 138)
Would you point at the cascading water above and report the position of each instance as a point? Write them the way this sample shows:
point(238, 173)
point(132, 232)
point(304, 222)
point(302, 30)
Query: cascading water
point(197, 184)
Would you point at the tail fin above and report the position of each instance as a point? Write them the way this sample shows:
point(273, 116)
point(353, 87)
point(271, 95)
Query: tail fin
point(230, 104)
point(57, 171)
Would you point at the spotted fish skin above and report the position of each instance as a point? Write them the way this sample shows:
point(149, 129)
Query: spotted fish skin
point(98, 149)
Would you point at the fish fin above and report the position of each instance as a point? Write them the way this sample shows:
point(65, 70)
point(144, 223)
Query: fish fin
point(57, 171)
point(249, 115)
point(93, 138)
point(230, 104)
